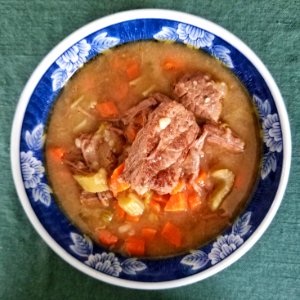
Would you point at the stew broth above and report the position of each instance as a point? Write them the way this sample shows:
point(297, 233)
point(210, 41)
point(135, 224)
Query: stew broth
point(107, 78)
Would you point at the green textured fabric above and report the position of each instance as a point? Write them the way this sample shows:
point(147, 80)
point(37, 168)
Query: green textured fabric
point(29, 29)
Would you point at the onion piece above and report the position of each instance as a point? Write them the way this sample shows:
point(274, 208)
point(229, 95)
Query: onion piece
point(224, 179)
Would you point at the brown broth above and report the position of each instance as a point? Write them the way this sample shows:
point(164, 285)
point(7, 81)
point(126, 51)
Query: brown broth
point(101, 80)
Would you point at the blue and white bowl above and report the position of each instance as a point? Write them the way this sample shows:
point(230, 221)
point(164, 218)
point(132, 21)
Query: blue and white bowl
point(28, 162)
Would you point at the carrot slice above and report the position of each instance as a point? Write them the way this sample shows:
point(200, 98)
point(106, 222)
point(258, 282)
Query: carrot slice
point(133, 69)
point(177, 202)
point(172, 234)
point(201, 177)
point(107, 238)
point(161, 198)
point(148, 233)
point(194, 200)
point(135, 246)
point(115, 185)
point(134, 219)
point(155, 206)
point(179, 187)
point(56, 153)
point(107, 109)
point(119, 212)
point(171, 64)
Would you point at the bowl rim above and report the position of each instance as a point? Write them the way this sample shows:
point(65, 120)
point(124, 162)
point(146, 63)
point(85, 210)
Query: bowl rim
point(118, 18)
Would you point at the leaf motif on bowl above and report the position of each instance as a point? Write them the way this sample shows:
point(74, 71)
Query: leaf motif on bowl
point(222, 247)
point(104, 262)
point(222, 53)
point(42, 192)
point(83, 246)
point(196, 260)
point(34, 139)
point(103, 42)
point(272, 135)
point(166, 34)
point(132, 266)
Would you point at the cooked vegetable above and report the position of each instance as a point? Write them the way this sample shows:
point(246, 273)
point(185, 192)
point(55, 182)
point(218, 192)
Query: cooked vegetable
point(94, 183)
point(133, 69)
point(171, 64)
point(135, 246)
point(177, 202)
point(179, 187)
point(107, 238)
point(148, 233)
point(107, 109)
point(56, 153)
point(224, 179)
point(194, 200)
point(119, 212)
point(155, 206)
point(134, 219)
point(115, 184)
point(131, 203)
point(106, 216)
point(172, 234)
point(201, 178)
point(161, 198)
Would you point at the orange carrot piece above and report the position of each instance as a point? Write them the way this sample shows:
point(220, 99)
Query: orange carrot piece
point(107, 238)
point(201, 177)
point(161, 198)
point(194, 200)
point(56, 153)
point(177, 202)
point(133, 69)
point(148, 233)
point(179, 187)
point(155, 206)
point(135, 246)
point(119, 212)
point(134, 219)
point(130, 133)
point(170, 64)
point(107, 109)
point(115, 185)
point(172, 234)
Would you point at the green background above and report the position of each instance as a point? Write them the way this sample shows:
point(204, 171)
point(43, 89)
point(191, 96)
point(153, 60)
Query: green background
point(28, 268)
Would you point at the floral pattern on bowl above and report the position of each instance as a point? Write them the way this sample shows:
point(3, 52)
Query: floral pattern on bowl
point(39, 193)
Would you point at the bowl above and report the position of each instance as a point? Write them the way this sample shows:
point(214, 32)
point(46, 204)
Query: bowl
point(28, 166)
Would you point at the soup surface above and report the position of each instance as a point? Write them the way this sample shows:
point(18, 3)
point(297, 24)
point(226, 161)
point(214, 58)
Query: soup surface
point(153, 149)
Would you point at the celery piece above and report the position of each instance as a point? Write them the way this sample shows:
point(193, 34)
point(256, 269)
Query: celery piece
point(94, 183)
point(224, 179)
point(131, 204)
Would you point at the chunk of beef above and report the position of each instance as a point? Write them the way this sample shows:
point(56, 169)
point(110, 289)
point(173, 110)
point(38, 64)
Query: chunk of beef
point(191, 165)
point(100, 150)
point(155, 158)
point(101, 199)
point(144, 107)
point(201, 95)
point(223, 136)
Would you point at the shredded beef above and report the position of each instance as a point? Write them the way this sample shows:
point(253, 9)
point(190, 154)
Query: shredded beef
point(101, 149)
point(96, 199)
point(201, 95)
point(191, 165)
point(155, 158)
point(223, 136)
